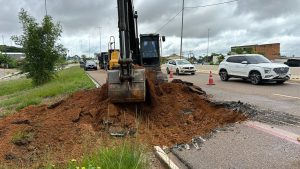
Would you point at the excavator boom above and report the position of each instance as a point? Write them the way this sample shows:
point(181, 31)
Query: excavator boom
point(128, 84)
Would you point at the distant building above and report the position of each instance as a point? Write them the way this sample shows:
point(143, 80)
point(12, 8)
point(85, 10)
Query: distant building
point(15, 55)
point(271, 51)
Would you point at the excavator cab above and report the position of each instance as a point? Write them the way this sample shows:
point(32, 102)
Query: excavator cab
point(149, 50)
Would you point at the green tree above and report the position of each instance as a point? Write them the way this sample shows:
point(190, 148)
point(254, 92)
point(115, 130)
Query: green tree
point(5, 48)
point(242, 50)
point(221, 58)
point(84, 58)
point(39, 42)
point(7, 62)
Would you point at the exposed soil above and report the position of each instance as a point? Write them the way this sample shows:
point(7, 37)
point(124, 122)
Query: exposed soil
point(174, 113)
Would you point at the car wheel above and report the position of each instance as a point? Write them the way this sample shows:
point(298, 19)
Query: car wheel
point(224, 75)
point(280, 82)
point(168, 71)
point(177, 71)
point(193, 73)
point(255, 78)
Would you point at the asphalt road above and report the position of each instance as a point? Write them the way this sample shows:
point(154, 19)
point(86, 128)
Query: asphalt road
point(243, 146)
point(281, 98)
point(99, 75)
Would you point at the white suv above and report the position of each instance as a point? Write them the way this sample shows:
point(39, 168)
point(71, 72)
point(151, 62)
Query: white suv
point(254, 67)
point(180, 66)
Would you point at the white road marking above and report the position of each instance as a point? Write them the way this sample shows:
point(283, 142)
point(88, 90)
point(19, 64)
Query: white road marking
point(94, 81)
point(293, 97)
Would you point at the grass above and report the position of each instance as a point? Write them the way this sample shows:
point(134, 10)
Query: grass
point(124, 156)
point(18, 94)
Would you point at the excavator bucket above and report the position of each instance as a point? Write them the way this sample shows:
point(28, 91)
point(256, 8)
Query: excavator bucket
point(127, 92)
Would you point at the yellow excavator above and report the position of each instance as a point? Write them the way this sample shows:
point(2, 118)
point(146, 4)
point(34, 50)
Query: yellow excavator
point(113, 54)
point(127, 84)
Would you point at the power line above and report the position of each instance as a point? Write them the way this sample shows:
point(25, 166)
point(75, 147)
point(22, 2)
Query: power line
point(201, 6)
point(221, 3)
point(170, 20)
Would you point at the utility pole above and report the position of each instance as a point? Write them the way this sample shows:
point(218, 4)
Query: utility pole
point(100, 38)
point(207, 42)
point(89, 46)
point(181, 29)
point(46, 7)
point(80, 47)
point(3, 40)
point(160, 39)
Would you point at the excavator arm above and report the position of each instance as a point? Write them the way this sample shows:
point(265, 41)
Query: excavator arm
point(128, 84)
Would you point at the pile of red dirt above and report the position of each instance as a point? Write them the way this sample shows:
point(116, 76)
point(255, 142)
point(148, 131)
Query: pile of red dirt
point(174, 113)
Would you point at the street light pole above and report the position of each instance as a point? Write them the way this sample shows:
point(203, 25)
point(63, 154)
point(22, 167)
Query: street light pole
point(46, 7)
point(89, 47)
point(208, 41)
point(100, 38)
point(3, 40)
point(181, 29)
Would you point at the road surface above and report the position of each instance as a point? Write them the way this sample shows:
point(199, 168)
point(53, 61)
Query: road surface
point(244, 146)
point(282, 98)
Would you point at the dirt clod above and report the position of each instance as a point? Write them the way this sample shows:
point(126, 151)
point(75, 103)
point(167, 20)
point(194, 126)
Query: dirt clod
point(9, 157)
point(21, 122)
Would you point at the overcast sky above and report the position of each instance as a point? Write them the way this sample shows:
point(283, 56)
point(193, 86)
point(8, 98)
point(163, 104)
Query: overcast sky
point(238, 23)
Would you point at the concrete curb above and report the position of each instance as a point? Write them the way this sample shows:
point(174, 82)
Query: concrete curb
point(164, 157)
point(10, 75)
point(94, 81)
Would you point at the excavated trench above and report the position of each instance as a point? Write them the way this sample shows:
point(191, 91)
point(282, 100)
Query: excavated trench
point(174, 113)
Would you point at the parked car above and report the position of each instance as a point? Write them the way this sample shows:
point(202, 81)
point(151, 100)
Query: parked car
point(253, 67)
point(293, 62)
point(90, 64)
point(180, 66)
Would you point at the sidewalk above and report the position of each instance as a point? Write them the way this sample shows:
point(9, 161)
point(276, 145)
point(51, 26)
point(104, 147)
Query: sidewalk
point(5, 72)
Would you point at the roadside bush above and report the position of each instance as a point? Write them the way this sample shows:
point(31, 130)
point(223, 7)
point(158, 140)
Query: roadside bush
point(39, 42)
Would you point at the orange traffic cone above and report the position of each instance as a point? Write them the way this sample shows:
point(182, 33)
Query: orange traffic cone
point(171, 74)
point(210, 79)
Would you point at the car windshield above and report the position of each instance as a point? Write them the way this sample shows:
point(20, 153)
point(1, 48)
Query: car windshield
point(257, 59)
point(182, 62)
point(90, 62)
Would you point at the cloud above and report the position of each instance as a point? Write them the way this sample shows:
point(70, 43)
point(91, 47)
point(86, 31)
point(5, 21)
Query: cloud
point(238, 23)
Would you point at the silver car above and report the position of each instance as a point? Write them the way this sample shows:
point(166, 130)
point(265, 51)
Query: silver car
point(90, 64)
